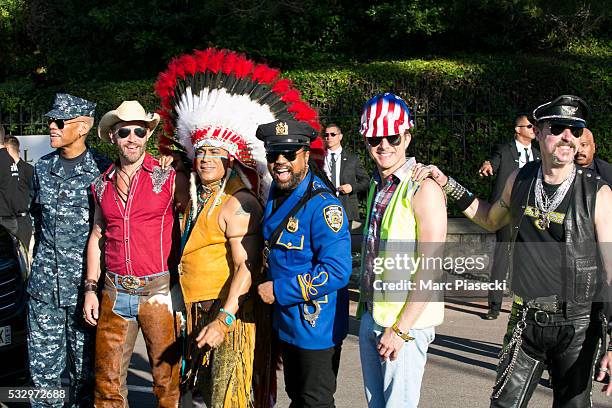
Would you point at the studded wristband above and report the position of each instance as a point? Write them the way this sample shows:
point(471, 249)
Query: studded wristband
point(456, 192)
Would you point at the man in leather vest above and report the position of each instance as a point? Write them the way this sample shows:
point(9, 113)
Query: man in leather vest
point(506, 158)
point(560, 216)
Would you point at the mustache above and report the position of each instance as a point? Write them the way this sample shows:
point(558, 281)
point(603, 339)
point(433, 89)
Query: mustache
point(562, 144)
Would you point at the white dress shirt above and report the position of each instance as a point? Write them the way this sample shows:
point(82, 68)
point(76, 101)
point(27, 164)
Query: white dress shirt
point(524, 156)
point(328, 160)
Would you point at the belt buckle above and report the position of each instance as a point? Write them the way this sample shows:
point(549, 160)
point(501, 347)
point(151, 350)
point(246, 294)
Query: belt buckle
point(542, 313)
point(130, 282)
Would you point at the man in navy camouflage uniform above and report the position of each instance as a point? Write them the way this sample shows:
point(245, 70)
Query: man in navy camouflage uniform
point(62, 212)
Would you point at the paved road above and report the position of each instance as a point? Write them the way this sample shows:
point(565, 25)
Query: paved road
point(460, 370)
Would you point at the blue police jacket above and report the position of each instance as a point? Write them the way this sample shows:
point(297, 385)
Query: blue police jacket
point(310, 260)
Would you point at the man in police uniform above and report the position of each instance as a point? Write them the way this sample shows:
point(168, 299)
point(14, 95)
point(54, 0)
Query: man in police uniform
point(62, 211)
point(309, 265)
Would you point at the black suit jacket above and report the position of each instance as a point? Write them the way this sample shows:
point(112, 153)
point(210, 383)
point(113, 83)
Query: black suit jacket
point(26, 186)
point(353, 173)
point(505, 160)
point(603, 168)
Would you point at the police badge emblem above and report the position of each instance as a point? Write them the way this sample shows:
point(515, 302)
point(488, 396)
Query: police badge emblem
point(292, 224)
point(334, 217)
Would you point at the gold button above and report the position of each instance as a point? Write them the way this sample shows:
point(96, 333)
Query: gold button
point(289, 244)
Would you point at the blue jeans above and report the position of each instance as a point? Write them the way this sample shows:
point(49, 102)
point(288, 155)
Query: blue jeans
point(392, 384)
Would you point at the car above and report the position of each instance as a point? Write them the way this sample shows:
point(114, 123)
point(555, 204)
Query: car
point(14, 271)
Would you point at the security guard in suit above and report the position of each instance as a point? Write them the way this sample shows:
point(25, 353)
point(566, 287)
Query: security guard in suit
point(309, 263)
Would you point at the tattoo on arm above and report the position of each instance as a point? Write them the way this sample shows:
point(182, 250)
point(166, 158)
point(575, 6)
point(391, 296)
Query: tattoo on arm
point(503, 204)
point(245, 209)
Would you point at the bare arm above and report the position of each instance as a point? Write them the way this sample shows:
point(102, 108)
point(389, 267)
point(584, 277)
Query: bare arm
point(95, 245)
point(489, 216)
point(242, 216)
point(430, 211)
point(493, 216)
point(240, 219)
point(429, 207)
point(94, 255)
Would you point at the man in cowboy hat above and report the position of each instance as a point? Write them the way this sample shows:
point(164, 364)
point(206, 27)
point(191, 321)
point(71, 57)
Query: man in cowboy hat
point(562, 298)
point(133, 222)
point(61, 211)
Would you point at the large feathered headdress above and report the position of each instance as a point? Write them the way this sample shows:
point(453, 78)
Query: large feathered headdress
point(219, 98)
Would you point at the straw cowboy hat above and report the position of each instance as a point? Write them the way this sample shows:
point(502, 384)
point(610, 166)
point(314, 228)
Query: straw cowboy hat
point(126, 112)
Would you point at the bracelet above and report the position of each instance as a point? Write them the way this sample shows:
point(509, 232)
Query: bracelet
point(91, 285)
point(462, 196)
point(609, 346)
point(228, 313)
point(404, 336)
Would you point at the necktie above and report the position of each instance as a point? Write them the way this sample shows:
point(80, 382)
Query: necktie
point(333, 169)
point(527, 158)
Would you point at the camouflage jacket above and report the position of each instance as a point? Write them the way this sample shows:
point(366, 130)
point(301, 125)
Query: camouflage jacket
point(62, 209)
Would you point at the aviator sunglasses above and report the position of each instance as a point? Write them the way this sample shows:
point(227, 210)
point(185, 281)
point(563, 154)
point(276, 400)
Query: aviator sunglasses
point(529, 126)
point(394, 140)
point(124, 132)
point(330, 134)
point(60, 123)
point(290, 155)
point(558, 129)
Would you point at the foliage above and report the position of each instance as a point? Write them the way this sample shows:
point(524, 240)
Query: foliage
point(61, 40)
point(463, 105)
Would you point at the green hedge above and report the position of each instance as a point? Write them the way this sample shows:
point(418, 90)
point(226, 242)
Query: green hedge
point(464, 105)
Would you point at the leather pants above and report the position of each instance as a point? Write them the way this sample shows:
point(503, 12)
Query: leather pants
point(121, 315)
point(569, 348)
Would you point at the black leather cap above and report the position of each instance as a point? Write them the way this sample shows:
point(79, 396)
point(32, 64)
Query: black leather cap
point(283, 135)
point(566, 110)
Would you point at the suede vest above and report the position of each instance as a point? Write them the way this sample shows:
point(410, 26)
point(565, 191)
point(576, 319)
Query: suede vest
point(206, 264)
point(398, 226)
point(583, 280)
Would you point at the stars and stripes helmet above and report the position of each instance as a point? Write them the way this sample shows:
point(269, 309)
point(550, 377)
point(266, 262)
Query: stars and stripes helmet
point(385, 115)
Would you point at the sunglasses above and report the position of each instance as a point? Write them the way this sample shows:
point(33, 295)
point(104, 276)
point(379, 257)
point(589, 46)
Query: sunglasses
point(290, 155)
point(60, 123)
point(330, 134)
point(529, 126)
point(558, 129)
point(124, 132)
point(394, 140)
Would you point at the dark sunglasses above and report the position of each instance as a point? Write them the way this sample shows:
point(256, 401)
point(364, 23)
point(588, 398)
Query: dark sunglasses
point(394, 140)
point(124, 132)
point(330, 134)
point(290, 155)
point(60, 123)
point(529, 126)
point(558, 129)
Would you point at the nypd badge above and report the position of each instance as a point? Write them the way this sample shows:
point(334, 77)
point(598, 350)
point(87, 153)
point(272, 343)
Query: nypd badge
point(334, 217)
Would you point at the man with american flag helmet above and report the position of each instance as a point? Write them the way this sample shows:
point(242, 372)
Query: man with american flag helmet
point(404, 217)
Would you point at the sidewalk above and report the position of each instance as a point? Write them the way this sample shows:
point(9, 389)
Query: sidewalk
point(459, 374)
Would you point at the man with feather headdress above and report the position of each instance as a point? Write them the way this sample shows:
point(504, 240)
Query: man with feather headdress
point(212, 103)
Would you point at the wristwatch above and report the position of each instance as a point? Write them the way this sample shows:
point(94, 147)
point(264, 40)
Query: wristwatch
point(404, 336)
point(229, 318)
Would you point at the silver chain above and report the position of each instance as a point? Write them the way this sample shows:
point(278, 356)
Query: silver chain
point(546, 204)
point(513, 346)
